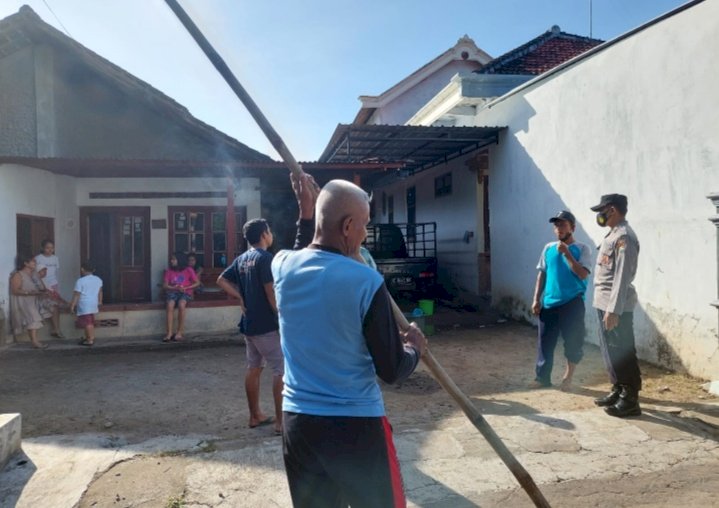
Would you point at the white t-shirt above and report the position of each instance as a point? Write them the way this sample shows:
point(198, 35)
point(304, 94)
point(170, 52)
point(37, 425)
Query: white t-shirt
point(89, 287)
point(52, 264)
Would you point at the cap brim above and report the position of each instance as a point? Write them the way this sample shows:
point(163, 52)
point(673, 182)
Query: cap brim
point(598, 207)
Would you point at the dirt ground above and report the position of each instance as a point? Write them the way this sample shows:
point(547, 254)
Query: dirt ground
point(186, 389)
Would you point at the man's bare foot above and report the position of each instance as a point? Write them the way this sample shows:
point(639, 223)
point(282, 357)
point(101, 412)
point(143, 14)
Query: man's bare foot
point(258, 422)
point(278, 430)
point(538, 385)
point(566, 385)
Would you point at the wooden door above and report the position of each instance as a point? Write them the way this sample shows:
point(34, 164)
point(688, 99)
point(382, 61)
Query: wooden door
point(134, 252)
point(117, 241)
point(97, 247)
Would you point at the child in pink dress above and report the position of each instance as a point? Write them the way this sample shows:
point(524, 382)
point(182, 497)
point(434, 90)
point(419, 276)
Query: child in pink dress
point(178, 282)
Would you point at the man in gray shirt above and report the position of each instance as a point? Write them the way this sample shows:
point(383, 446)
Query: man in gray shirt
point(614, 299)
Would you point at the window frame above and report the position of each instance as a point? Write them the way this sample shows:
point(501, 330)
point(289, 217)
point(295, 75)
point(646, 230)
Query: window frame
point(443, 185)
point(208, 252)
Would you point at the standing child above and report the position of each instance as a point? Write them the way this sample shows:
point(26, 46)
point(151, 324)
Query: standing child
point(197, 267)
point(178, 282)
point(48, 260)
point(50, 301)
point(87, 299)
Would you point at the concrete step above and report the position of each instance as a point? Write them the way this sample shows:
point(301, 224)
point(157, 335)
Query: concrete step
point(10, 436)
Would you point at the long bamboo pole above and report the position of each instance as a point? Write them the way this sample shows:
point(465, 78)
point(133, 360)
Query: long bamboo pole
point(471, 411)
point(239, 90)
point(522, 476)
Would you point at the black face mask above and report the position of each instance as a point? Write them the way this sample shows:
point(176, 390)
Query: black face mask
point(602, 218)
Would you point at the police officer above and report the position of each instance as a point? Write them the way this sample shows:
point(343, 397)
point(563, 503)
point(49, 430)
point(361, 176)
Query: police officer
point(614, 299)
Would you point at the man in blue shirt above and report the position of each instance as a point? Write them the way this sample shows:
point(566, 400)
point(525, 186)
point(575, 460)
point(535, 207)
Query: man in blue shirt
point(559, 300)
point(338, 336)
point(249, 279)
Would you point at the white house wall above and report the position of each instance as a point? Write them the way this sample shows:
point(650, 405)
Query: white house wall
point(30, 191)
point(403, 107)
point(454, 214)
point(36, 192)
point(639, 118)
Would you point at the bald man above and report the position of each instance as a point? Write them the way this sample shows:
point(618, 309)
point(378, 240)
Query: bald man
point(338, 334)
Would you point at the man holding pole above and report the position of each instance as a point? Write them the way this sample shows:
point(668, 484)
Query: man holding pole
point(338, 333)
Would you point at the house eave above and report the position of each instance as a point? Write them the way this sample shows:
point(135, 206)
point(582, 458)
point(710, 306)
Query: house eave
point(464, 44)
point(135, 168)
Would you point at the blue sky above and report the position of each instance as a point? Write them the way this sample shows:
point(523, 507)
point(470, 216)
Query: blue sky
point(305, 62)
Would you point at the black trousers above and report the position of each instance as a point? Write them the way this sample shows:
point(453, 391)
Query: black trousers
point(338, 461)
point(619, 351)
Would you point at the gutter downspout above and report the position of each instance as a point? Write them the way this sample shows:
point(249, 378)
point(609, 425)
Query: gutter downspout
point(713, 386)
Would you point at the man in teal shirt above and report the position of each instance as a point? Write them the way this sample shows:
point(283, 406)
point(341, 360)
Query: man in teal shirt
point(559, 300)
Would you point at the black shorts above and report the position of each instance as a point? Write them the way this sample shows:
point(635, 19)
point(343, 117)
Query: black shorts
point(335, 461)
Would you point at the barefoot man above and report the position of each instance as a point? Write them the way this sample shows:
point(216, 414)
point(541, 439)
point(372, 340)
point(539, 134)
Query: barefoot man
point(559, 300)
point(249, 279)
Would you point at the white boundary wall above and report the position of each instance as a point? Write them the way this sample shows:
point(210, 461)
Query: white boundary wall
point(640, 118)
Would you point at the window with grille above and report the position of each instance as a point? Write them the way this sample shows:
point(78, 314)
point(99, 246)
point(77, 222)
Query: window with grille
point(203, 231)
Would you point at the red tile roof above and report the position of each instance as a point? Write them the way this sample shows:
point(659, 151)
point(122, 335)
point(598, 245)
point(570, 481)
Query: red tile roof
point(540, 54)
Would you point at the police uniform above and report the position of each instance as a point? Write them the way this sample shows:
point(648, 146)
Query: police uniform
point(614, 293)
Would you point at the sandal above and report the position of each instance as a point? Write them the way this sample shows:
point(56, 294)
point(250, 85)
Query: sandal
point(169, 338)
point(85, 342)
point(177, 338)
point(57, 335)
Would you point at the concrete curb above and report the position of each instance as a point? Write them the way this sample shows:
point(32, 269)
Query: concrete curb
point(124, 344)
point(10, 436)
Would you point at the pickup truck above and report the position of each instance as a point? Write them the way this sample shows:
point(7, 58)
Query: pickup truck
point(406, 255)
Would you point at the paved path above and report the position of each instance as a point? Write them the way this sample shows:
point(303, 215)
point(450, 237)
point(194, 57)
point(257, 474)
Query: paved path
point(448, 466)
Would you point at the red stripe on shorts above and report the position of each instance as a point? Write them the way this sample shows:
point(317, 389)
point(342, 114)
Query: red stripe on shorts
point(395, 473)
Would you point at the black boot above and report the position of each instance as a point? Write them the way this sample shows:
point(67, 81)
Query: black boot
point(611, 398)
point(627, 405)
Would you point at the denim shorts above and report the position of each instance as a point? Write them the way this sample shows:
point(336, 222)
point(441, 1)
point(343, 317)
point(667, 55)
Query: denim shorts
point(176, 296)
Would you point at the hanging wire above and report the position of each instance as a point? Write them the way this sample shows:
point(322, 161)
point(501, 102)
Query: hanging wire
point(58, 19)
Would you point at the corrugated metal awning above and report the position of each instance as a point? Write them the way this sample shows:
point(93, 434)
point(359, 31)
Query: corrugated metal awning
point(416, 147)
